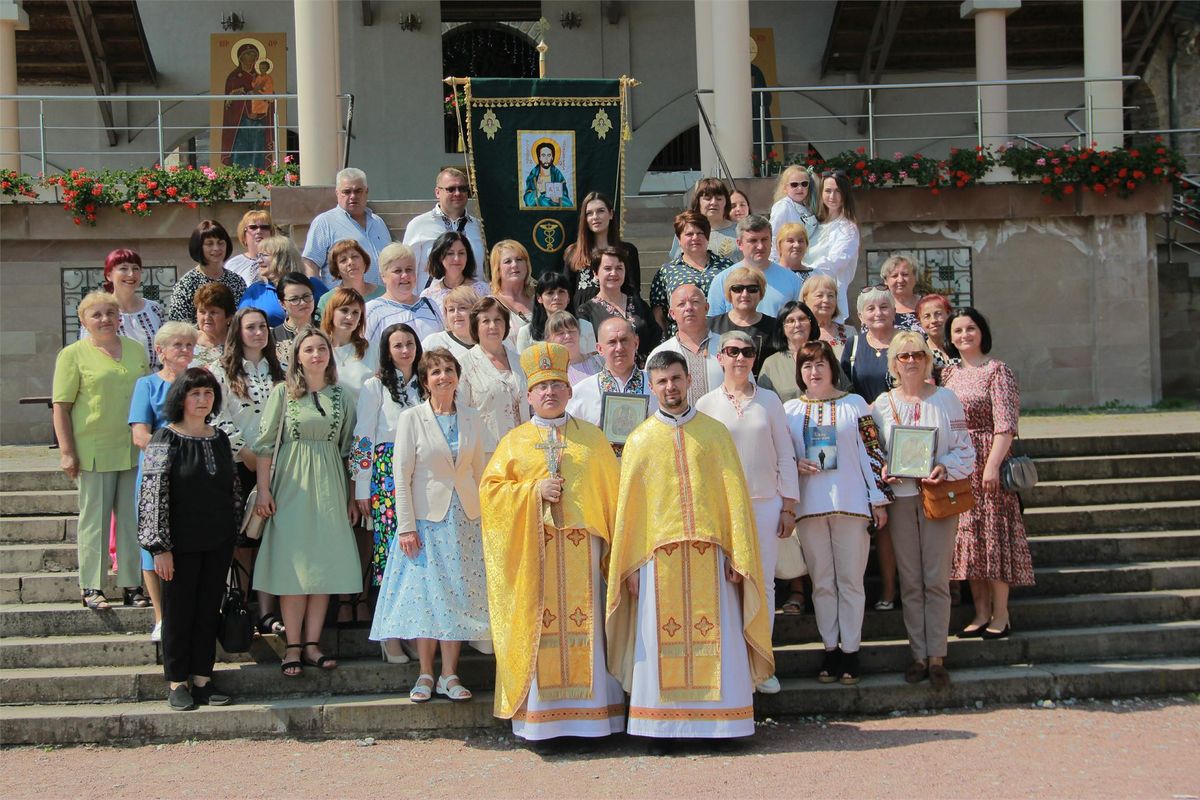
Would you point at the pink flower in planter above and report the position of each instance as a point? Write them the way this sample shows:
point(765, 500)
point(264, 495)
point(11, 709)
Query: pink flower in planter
point(1041, 162)
point(903, 175)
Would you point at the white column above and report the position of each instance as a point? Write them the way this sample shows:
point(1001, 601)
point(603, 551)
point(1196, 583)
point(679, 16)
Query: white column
point(709, 165)
point(1102, 59)
point(991, 63)
point(316, 87)
point(12, 19)
point(730, 56)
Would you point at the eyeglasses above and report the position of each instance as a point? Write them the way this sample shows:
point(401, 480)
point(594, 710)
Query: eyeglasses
point(744, 288)
point(734, 352)
point(456, 189)
point(299, 300)
point(914, 355)
point(878, 287)
point(798, 184)
point(258, 227)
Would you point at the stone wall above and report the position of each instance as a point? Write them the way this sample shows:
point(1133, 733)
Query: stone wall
point(1179, 310)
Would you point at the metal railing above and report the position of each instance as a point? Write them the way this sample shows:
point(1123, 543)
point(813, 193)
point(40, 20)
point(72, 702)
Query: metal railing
point(174, 125)
point(871, 127)
point(1184, 215)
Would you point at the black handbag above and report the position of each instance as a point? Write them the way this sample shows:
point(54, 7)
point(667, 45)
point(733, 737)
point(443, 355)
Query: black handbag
point(235, 631)
point(1018, 473)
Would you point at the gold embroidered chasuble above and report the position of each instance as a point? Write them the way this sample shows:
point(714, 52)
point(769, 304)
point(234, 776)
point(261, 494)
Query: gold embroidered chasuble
point(539, 560)
point(683, 499)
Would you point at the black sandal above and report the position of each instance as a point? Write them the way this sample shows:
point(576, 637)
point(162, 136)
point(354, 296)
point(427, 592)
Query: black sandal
point(270, 623)
point(831, 666)
point(293, 669)
point(320, 662)
point(135, 597)
point(850, 669)
point(95, 600)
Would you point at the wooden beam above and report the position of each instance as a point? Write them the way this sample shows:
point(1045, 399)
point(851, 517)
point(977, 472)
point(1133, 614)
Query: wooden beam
point(93, 57)
point(887, 22)
point(1153, 31)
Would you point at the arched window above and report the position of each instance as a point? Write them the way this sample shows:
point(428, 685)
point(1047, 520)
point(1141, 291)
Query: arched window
point(483, 50)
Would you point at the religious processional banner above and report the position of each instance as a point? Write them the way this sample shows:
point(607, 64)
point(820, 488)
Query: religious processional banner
point(535, 148)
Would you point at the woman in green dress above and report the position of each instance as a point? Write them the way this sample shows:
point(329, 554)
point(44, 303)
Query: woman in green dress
point(308, 550)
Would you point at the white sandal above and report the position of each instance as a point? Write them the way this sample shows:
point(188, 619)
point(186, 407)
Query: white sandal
point(421, 692)
point(456, 694)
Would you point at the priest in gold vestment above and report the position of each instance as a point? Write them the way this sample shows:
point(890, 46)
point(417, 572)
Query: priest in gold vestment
point(549, 495)
point(687, 622)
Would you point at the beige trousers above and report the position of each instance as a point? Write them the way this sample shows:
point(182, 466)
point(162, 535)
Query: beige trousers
point(836, 549)
point(101, 494)
point(924, 552)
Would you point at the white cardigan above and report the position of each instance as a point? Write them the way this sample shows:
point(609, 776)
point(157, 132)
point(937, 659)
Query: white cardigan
point(501, 400)
point(427, 475)
point(375, 423)
point(941, 410)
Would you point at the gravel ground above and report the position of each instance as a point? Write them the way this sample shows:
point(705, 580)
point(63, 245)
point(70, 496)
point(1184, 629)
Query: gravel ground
point(1089, 748)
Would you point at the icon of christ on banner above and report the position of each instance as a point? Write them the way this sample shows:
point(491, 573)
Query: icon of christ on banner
point(547, 163)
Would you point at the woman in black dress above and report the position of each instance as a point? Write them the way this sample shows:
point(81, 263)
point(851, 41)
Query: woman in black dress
point(189, 512)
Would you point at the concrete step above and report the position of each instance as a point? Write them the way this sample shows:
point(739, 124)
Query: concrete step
point(1158, 516)
point(25, 558)
point(16, 530)
point(33, 480)
point(1107, 490)
point(1098, 578)
point(1121, 444)
point(1091, 548)
point(1078, 468)
point(38, 503)
point(348, 716)
point(370, 676)
point(72, 619)
point(51, 587)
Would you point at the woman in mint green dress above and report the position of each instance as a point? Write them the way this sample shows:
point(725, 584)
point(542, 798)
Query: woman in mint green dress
point(308, 550)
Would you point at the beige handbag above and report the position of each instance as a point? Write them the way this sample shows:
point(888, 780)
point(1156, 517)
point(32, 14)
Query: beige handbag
point(252, 524)
point(791, 559)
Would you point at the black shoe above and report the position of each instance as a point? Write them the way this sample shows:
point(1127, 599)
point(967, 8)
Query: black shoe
point(972, 633)
point(849, 670)
point(1001, 634)
point(831, 667)
point(209, 695)
point(180, 699)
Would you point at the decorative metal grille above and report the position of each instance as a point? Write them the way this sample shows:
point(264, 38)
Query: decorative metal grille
point(944, 270)
point(157, 285)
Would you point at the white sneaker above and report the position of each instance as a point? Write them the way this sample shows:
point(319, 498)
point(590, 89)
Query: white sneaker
point(156, 634)
point(769, 686)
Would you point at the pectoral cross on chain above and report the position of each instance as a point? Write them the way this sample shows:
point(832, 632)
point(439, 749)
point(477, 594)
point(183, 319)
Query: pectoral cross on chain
point(552, 446)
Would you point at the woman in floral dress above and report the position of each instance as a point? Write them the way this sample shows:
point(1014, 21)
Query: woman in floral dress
point(991, 550)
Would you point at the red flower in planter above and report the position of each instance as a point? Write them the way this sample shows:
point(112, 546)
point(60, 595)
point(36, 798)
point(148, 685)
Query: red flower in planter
point(1099, 188)
point(172, 191)
point(1068, 189)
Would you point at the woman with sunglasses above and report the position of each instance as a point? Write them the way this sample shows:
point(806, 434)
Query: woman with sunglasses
point(254, 228)
point(834, 251)
point(924, 547)
point(793, 203)
point(744, 288)
point(759, 427)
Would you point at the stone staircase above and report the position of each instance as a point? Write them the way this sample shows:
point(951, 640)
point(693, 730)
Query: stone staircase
point(1115, 535)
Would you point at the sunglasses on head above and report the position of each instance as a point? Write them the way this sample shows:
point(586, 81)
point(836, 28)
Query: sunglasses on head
point(734, 352)
point(744, 288)
point(881, 287)
point(798, 184)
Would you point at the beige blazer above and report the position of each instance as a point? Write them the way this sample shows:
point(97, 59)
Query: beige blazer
point(425, 473)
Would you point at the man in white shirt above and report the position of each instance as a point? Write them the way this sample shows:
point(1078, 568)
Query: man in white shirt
point(694, 341)
point(617, 343)
point(783, 285)
point(449, 214)
point(351, 219)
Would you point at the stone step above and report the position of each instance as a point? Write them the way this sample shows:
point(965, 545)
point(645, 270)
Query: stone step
point(32, 480)
point(51, 587)
point(349, 716)
point(369, 676)
point(1108, 490)
point(1077, 468)
point(1098, 578)
point(72, 619)
point(1120, 546)
point(1120, 444)
point(1165, 515)
point(55, 557)
point(19, 530)
point(39, 503)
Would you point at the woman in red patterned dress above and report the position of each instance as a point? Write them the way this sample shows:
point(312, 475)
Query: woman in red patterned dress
point(991, 550)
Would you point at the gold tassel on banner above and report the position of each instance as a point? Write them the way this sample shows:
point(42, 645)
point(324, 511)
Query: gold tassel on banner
point(626, 84)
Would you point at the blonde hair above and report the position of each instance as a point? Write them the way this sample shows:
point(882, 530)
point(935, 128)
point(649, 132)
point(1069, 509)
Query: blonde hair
point(250, 218)
point(889, 266)
point(784, 179)
point(901, 340)
point(281, 255)
point(820, 281)
point(393, 253)
point(561, 321)
point(739, 275)
point(494, 263)
point(790, 229)
point(297, 386)
point(175, 330)
point(463, 295)
point(97, 298)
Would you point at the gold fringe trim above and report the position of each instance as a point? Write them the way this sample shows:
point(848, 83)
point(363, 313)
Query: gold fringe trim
point(565, 693)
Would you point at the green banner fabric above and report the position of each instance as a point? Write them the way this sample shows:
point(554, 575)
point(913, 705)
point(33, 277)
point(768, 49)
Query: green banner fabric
point(535, 148)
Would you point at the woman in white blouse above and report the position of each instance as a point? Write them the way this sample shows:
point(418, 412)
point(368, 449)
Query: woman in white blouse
point(247, 372)
point(834, 252)
point(755, 419)
point(924, 547)
point(456, 312)
point(345, 322)
point(384, 396)
point(841, 493)
point(492, 380)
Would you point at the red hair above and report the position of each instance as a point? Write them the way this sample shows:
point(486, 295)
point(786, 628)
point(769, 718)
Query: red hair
point(934, 298)
point(122, 255)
